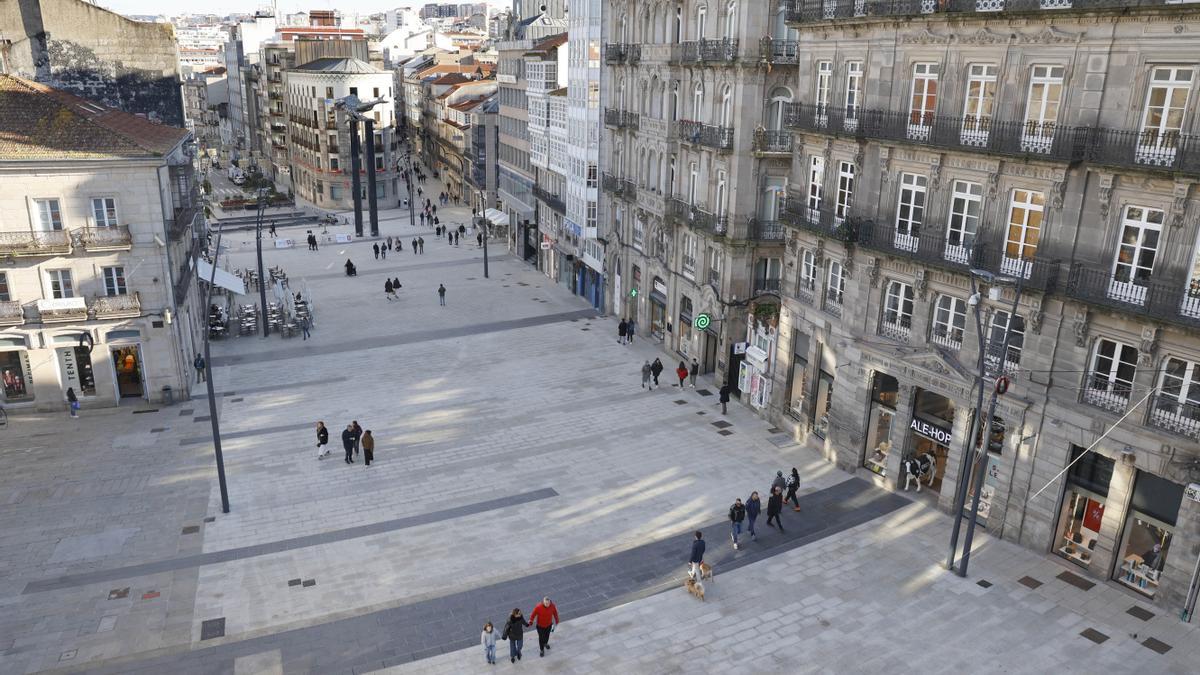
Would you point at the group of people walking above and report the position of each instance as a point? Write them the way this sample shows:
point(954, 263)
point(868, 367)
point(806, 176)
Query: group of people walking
point(544, 617)
point(354, 440)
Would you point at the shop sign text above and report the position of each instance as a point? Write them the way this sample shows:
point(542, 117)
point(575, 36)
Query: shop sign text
point(940, 435)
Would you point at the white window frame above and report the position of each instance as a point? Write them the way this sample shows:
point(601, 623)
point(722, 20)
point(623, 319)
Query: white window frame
point(722, 193)
point(1026, 215)
point(1043, 107)
point(60, 283)
point(922, 103)
point(106, 214)
point(910, 210)
point(816, 186)
point(47, 208)
point(1001, 322)
point(1163, 121)
point(114, 280)
point(639, 233)
point(808, 271)
point(688, 256)
point(853, 100)
point(5, 288)
point(845, 191)
point(979, 103)
point(714, 266)
point(1136, 253)
point(835, 284)
point(949, 321)
point(824, 87)
point(966, 211)
point(1176, 404)
point(898, 300)
point(1106, 387)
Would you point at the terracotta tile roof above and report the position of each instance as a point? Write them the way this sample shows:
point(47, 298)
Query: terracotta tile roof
point(452, 78)
point(40, 122)
point(551, 42)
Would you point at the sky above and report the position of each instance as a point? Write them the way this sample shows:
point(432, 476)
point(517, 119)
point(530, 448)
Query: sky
point(248, 6)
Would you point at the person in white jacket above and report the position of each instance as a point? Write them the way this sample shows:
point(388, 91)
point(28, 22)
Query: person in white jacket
point(488, 640)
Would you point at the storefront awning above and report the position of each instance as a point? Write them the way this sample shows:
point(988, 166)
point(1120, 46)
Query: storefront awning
point(496, 217)
point(223, 279)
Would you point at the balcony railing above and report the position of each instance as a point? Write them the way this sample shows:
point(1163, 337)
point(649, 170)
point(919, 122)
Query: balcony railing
point(610, 183)
point(112, 238)
point(1024, 139)
point(766, 140)
point(633, 55)
point(11, 313)
point(808, 11)
point(766, 230)
point(833, 302)
point(684, 212)
point(707, 51)
point(766, 285)
point(629, 189)
point(551, 200)
point(779, 52)
point(823, 221)
point(621, 119)
point(27, 243)
point(116, 306)
point(1105, 393)
point(1178, 417)
point(899, 329)
point(182, 219)
point(615, 52)
point(699, 133)
point(1176, 300)
point(806, 291)
point(1148, 149)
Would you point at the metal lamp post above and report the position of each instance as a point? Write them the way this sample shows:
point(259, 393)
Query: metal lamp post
point(262, 281)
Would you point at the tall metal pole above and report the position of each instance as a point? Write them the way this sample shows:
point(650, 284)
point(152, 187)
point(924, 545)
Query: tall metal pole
point(212, 396)
point(355, 181)
point(372, 201)
point(981, 461)
point(484, 224)
point(964, 471)
point(412, 199)
point(262, 280)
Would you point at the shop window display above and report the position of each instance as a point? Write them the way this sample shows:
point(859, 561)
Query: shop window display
point(1149, 529)
point(1083, 505)
point(991, 476)
point(930, 432)
point(885, 391)
point(14, 375)
point(822, 404)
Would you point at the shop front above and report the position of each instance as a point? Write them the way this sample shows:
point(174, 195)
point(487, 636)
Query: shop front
point(1083, 505)
point(74, 365)
point(687, 336)
point(885, 392)
point(991, 474)
point(930, 432)
point(797, 389)
point(1149, 529)
point(822, 403)
point(593, 287)
point(658, 309)
point(128, 365)
point(15, 370)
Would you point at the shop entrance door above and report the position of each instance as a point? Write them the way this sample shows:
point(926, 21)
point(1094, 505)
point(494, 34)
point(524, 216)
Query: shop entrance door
point(127, 362)
point(709, 364)
point(732, 374)
point(940, 453)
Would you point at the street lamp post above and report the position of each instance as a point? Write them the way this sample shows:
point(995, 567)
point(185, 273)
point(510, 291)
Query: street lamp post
point(212, 396)
point(262, 281)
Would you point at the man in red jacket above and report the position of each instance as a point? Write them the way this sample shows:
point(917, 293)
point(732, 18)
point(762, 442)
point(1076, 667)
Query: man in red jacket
point(545, 617)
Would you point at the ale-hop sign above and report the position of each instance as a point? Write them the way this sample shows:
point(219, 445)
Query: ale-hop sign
point(931, 431)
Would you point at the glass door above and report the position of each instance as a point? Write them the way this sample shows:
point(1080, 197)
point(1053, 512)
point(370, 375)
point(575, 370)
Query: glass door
point(1024, 232)
point(1136, 251)
point(977, 110)
point(1162, 119)
point(1041, 109)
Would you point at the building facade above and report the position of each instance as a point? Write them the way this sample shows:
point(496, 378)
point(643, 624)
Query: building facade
point(1045, 159)
point(583, 149)
point(100, 225)
point(481, 155)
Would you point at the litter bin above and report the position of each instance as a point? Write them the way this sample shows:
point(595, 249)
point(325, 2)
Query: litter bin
point(168, 396)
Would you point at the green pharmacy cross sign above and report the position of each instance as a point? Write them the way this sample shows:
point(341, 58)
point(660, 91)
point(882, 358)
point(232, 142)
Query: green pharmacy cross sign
point(702, 321)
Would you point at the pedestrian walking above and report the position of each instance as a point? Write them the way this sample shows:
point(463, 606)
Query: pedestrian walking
point(72, 402)
point(388, 291)
point(376, 247)
point(682, 372)
point(383, 252)
point(201, 371)
point(389, 243)
point(723, 397)
point(368, 447)
point(753, 508)
point(358, 431)
point(305, 324)
point(646, 373)
point(462, 229)
point(737, 513)
point(694, 372)
point(779, 482)
point(621, 328)
point(545, 618)
point(450, 238)
point(514, 632)
point(322, 441)
point(697, 555)
point(414, 244)
point(396, 285)
point(441, 295)
point(272, 232)
point(400, 245)
point(348, 443)
point(774, 508)
point(631, 330)
point(793, 484)
point(421, 243)
point(422, 217)
point(656, 369)
point(488, 640)
point(456, 239)
point(479, 240)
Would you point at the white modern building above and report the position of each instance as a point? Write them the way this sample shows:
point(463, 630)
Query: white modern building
point(583, 128)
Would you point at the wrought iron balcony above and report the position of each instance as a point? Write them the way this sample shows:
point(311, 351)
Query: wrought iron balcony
point(1148, 149)
point(629, 189)
point(708, 135)
point(989, 135)
point(116, 306)
point(823, 221)
point(615, 52)
point(621, 119)
point(185, 279)
point(1169, 297)
point(766, 284)
point(809, 11)
point(833, 302)
point(1178, 417)
point(633, 55)
point(721, 51)
point(11, 313)
point(112, 238)
point(806, 291)
point(552, 200)
point(683, 212)
point(57, 242)
point(183, 218)
point(610, 183)
point(779, 52)
point(1039, 274)
point(768, 141)
point(766, 230)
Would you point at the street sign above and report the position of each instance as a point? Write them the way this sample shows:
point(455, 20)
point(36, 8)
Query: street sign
point(702, 321)
point(633, 292)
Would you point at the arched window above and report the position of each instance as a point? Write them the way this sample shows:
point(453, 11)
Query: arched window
point(698, 102)
point(776, 103)
point(701, 19)
point(722, 193)
point(674, 112)
point(677, 31)
point(727, 106)
point(621, 94)
point(647, 27)
point(623, 29)
point(731, 19)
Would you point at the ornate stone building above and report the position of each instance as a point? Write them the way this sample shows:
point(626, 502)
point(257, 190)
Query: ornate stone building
point(1049, 149)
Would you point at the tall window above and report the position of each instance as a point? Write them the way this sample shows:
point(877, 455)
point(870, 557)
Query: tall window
point(701, 20)
point(854, 80)
point(114, 280)
point(727, 106)
point(845, 190)
point(981, 97)
point(808, 271)
point(1136, 252)
point(1110, 380)
point(722, 192)
point(60, 284)
point(5, 296)
point(780, 97)
point(949, 321)
point(49, 215)
point(923, 103)
point(693, 182)
point(689, 256)
point(767, 272)
point(1024, 231)
point(1041, 110)
point(966, 204)
point(824, 86)
point(816, 185)
point(639, 233)
point(1003, 322)
point(714, 266)
point(1177, 404)
point(835, 288)
point(1166, 101)
point(104, 211)
point(731, 20)
point(698, 102)
point(910, 211)
point(897, 310)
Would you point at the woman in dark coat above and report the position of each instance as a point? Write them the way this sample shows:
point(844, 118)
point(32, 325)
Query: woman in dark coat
point(322, 440)
point(348, 442)
point(656, 369)
point(793, 484)
point(514, 632)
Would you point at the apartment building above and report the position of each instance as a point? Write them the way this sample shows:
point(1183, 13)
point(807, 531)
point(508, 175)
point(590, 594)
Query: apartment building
point(691, 190)
point(582, 193)
point(481, 156)
point(1041, 151)
point(100, 229)
point(546, 93)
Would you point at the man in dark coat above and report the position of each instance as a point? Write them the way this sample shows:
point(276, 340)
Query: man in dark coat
point(775, 507)
point(621, 329)
point(656, 369)
point(724, 399)
point(348, 442)
point(697, 556)
point(357, 430)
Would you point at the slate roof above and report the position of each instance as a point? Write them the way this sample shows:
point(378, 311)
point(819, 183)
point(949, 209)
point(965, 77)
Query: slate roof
point(332, 64)
point(41, 122)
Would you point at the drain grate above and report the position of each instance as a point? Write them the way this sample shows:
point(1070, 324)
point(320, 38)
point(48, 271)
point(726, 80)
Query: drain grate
point(1094, 635)
point(212, 628)
point(1029, 582)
